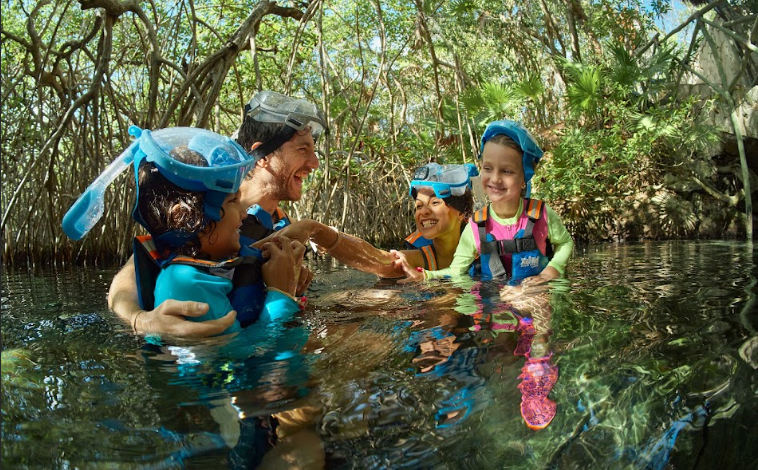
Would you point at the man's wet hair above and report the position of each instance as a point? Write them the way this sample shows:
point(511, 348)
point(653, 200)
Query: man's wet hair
point(252, 131)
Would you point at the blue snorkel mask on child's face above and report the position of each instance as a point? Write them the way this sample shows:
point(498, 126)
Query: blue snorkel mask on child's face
point(222, 166)
point(298, 115)
point(445, 180)
point(532, 152)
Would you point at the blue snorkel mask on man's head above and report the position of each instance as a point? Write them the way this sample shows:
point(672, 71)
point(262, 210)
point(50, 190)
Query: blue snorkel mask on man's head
point(532, 152)
point(192, 159)
point(445, 180)
point(297, 115)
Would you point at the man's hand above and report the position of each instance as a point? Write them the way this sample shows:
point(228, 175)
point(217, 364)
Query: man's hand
point(169, 319)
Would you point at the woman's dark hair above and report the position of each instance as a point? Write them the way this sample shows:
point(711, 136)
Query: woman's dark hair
point(463, 203)
point(165, 206)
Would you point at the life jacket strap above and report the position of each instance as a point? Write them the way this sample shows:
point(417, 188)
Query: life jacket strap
point(481, 215)
point(503, 247)
point(410, 240)
point(430, 258)
point(202, 263)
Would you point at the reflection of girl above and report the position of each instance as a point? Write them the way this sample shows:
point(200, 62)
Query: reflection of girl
point(443, 203)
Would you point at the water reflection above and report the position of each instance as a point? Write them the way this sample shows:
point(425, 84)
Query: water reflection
point(651, 349)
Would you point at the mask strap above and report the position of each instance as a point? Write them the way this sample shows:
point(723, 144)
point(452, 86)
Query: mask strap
point(212, 202)
point(271, 145)
point(174, 239)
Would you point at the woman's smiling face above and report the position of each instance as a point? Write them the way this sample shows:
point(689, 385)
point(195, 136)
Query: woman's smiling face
point(434, 217)
point(502, 173)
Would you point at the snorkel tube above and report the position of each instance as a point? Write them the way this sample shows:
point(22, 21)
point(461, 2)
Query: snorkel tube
point(224, 166)
point(88, 208)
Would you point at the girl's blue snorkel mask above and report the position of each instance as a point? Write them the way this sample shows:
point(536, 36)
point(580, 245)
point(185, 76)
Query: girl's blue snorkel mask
point(445, 180)
point(227, 163)
point(532, 152)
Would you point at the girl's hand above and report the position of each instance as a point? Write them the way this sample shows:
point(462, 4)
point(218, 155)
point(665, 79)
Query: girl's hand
point(306, 276)
point(547, 274)
point(401, 262)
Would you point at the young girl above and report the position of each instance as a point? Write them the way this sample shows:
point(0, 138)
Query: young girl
point(514, 236)
point(443, 201)
point(188, 200)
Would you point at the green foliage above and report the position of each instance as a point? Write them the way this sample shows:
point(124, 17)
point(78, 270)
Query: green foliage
point(608, 181)
point(609, 121)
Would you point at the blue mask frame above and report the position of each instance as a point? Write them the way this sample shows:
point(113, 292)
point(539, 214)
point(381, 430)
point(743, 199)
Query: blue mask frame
point(441, 189)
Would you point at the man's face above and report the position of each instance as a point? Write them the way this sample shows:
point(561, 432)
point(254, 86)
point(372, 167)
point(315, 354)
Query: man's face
point(291, 165)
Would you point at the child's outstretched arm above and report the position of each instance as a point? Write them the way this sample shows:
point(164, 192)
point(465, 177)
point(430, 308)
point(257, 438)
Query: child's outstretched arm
point(465, 254)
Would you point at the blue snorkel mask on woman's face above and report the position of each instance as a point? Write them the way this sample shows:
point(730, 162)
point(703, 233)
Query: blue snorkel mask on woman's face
point(298, 115)
point(222, 167)
point(445, 180)
point(532, 152)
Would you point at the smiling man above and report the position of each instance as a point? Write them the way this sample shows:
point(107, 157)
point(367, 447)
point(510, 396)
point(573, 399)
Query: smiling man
point(281, 131)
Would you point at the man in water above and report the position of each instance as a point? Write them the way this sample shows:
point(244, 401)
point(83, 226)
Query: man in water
point(282, 131)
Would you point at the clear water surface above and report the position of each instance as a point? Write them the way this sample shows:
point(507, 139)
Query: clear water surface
point(655, 344)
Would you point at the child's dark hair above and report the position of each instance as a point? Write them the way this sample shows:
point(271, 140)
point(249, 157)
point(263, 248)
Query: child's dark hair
point(165, 206)
point(463, 203)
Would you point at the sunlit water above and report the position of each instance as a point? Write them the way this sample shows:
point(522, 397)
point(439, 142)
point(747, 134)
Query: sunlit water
point(655, 345)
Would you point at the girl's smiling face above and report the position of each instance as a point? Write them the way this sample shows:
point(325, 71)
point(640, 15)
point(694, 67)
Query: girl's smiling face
point(502, 173)
point(223, 241)
point(434, 217)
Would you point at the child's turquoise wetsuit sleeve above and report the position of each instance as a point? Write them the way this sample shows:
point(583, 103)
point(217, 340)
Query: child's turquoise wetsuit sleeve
point(563, 244)
point(277, 308)
point(181, 282)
